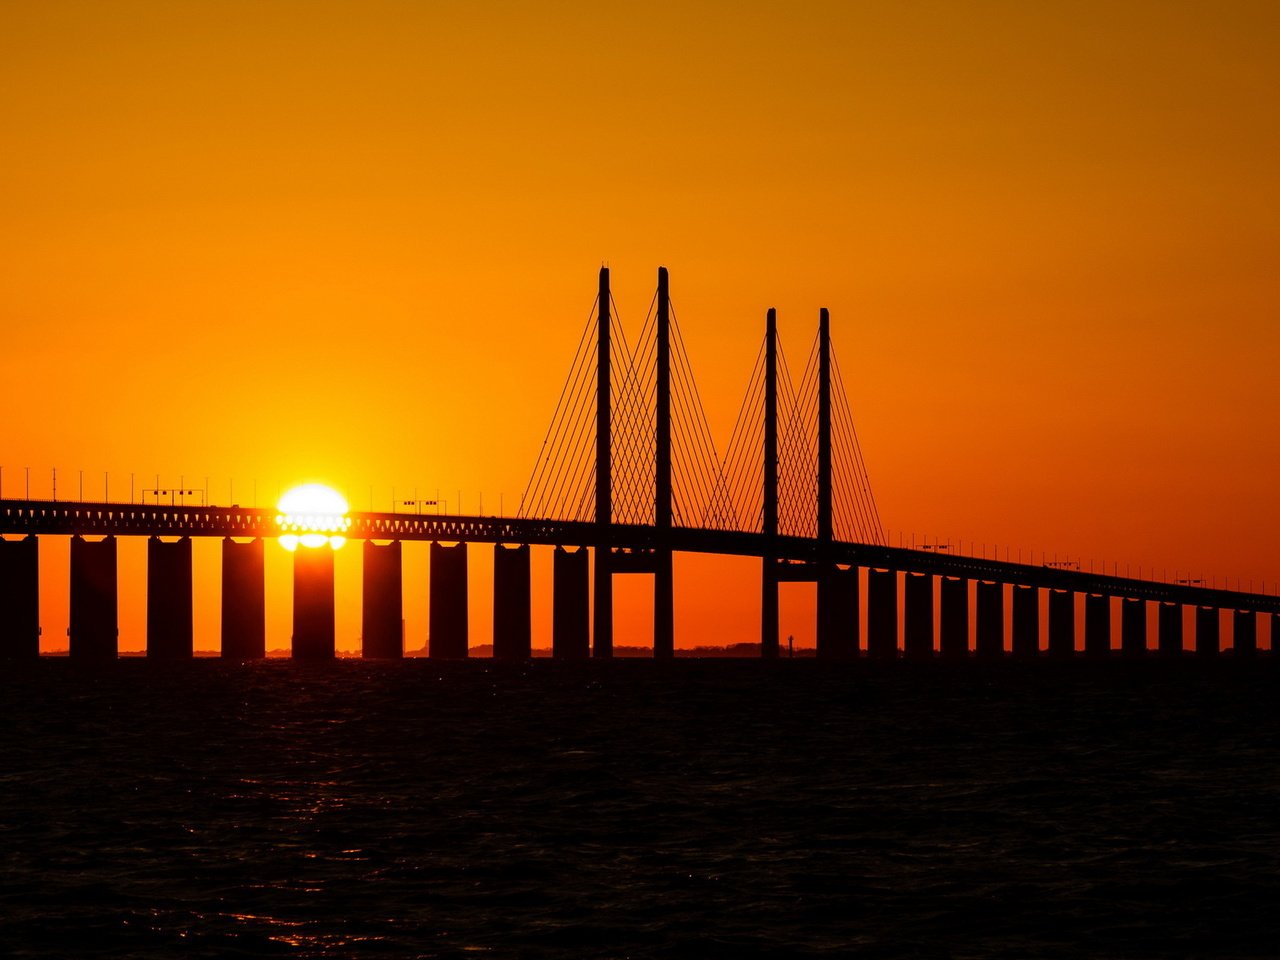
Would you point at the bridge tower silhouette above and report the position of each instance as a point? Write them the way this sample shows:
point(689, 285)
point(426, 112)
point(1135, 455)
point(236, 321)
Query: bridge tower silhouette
point(648, 421)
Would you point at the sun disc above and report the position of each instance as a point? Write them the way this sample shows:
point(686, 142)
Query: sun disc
point(314, 516)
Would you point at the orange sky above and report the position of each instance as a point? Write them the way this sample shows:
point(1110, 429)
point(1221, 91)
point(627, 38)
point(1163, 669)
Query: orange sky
point(357, 241)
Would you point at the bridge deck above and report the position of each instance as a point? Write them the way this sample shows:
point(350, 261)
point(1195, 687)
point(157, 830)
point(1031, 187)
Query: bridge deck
point(67, 518)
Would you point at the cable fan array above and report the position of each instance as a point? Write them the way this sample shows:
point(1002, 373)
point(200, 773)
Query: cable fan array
point(707, 492)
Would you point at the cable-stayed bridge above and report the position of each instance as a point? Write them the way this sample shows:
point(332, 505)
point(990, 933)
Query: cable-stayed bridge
point(628, 475)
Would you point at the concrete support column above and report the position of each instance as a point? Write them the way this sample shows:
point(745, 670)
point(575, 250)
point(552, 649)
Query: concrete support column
point(953, 626)
point(244, 602)
point(1169, 624)
point(94, 629)
point(1207, 620)
point(664, 607)
point(1133, 627)
point(768, 609)
point(512, 616)
point(917, 613)
point(447, 615)
point(169, 630)
point(1244, 633)
point(602, 609)
point(570, 609)
point(20, 599)
point(990, 629)
point(1275, 633)
point(1097, 625)
point(382, 606)
point(1026, 622)
point(838, 614)
point(882, 614)
point(313, 628)
point(1062, 623)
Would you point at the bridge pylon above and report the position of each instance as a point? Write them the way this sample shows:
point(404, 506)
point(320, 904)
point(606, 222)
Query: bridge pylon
point(663, 582)
point(769, 513)
point(602, 613)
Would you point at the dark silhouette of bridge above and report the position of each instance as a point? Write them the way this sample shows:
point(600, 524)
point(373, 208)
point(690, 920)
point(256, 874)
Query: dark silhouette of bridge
point(628, 474)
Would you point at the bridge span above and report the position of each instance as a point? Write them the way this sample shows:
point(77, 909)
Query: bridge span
point(630, 547)
point(798, 500)
point(87, 519)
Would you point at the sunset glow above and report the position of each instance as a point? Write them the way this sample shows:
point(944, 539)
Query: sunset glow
point(1045, 233)
point(312, 515)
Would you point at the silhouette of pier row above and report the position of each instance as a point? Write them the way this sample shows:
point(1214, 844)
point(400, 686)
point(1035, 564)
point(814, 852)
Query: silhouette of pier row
point(628, 477)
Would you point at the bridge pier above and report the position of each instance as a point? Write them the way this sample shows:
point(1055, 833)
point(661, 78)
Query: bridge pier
point(1169, 627)
point(20, 598)
point(169, 631)
point(664, 610)
point(1026, 622)
point(313, 625)
point(917, 612)
point(1133, 627)
point(953, 624)
point(1062, 624)
point(990, 628)
point(1275, 634)
point(244, 601)
point(512, 637)
point(1207, 622)
point(382, 606)
point(94, 629)
point(602, 611)
point(838, 614)
point(1097, 625)
point(570, 613)
point(1244, 633)
point(882, 614)
point(447, 615)
point(768, 609)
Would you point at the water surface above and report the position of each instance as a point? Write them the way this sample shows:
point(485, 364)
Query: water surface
point(635, 809)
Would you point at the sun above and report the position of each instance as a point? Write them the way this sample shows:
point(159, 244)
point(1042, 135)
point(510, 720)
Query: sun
point(312, 515)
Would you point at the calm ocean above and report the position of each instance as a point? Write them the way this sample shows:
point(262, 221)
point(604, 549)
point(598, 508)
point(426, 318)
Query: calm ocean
point(710, 808)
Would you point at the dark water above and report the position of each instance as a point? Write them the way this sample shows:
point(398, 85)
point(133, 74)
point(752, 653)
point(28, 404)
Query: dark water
point(634, 809)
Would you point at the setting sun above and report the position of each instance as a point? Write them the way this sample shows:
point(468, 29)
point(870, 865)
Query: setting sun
point(312, 515)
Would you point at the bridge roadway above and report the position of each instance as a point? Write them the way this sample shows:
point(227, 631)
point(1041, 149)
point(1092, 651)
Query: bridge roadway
point(68, 518)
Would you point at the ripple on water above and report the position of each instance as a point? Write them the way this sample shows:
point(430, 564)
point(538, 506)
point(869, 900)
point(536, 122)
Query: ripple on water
point(636, 809)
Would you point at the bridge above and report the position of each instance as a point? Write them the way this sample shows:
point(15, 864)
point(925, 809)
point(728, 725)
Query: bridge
point(628, 476)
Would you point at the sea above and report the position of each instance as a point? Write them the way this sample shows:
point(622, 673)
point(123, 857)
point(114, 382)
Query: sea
point(631, 808)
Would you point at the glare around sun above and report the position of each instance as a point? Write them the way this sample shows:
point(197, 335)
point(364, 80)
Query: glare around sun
point(312, 515)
